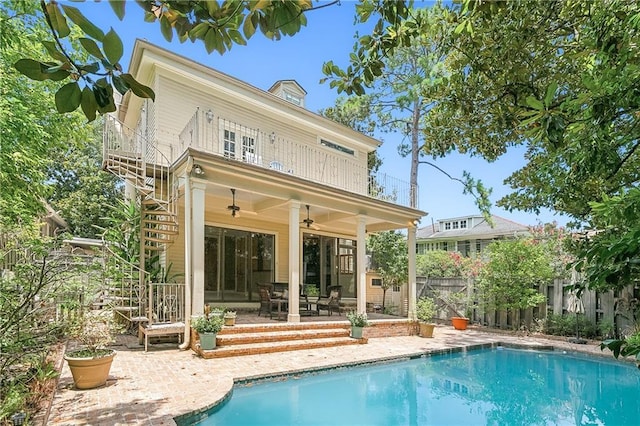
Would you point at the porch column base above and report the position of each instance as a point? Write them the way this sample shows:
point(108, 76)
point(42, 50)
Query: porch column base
point(293, 318)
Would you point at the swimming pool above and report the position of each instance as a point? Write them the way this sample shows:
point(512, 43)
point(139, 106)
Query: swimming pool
point(496, 386)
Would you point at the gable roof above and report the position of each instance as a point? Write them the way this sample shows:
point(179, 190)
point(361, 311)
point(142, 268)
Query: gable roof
point(146, 57)
point(283, 82)
point(480, 230)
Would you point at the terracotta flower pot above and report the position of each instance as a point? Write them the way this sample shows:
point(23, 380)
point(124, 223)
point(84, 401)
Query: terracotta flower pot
point(459, 323)
point(89, 373)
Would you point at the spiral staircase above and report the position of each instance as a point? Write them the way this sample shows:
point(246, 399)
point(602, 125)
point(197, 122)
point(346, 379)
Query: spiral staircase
point(128, 154)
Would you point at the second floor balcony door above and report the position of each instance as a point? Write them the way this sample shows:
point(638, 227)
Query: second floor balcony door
point(239, 143)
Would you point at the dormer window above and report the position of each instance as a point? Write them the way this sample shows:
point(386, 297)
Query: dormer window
point(463, 224)
point(447, 226)
point(294, 99)
point(454, 225)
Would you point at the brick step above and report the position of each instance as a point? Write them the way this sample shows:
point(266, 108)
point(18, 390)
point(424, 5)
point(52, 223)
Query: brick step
point(280, 336)
point(270, 347)
point(285, 326)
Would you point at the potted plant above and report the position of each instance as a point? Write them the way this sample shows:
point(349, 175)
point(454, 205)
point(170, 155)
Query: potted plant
point(91, 362)
point(207, 326)
point(230, 318)
point(459, 303)
point(358, 322)
point(425, 311)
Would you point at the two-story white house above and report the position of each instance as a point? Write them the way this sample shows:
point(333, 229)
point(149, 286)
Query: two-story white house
point(469, 235)
point(241, 186)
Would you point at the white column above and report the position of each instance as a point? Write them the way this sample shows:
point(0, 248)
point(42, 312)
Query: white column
point(197, 246)
point(361, 265)
point(294, 261)
point(187, 254)
point(411, 275)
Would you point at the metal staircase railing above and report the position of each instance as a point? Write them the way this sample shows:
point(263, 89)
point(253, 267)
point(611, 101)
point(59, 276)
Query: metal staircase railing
point(128, 154)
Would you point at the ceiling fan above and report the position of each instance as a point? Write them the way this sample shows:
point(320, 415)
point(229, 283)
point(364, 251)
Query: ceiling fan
point(308, 221)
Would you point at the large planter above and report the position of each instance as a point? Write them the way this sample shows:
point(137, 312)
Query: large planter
point(426, 329)
point(459, 323)
point(89, 373)
point(207, 341)
point(356, 332)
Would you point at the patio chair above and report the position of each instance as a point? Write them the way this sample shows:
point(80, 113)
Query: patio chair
point(267, 303)
point(331, 302)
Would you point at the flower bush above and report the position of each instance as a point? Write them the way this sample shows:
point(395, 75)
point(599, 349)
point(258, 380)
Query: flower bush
point(208, 324)
point(425, 309)
point(358, 319)
point(94, 331)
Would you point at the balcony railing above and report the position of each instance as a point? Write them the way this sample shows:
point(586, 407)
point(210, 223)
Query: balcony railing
point(220, 136)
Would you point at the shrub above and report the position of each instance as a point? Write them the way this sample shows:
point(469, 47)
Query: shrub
point(358, 319)
point(425, 309)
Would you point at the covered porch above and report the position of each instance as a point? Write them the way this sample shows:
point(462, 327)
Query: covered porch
point(243, 225)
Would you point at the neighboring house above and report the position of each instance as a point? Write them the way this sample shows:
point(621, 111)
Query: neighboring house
point(240, 186)
point(468, 235)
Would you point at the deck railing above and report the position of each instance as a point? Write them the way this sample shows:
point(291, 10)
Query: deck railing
point(221, 136)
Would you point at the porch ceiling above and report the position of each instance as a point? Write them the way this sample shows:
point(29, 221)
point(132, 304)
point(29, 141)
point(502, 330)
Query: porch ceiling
point(263, 196)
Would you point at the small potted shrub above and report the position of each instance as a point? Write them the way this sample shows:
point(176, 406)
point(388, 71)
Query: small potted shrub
point(358, 322)
point(207, 326)
point(425, 311)
point(91, 362)
point(230, 318)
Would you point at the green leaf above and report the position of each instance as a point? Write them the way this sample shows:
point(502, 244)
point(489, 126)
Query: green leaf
point(137, 88)
point(120, 84)
point(534, 103)
point(88, 104)
point(58, 21)
point(68, 97)
point(248, 28)
point(53, 51)
point(104, 96)
point(31, 69)
point(165, 28)
point(40, 70)
point(91, 68)
point(112, 46)
point(210, 40)
point(87, 26)
point(551, 93)
point(91, 47)
point(237, 37)
point(118, 8)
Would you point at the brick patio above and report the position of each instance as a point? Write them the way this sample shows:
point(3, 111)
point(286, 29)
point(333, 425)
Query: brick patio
point(152, 388)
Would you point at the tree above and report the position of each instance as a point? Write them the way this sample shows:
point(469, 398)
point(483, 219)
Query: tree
point(390, 258)
point(30, 129)
point(80, 190)
point(402, 97)
point(512, 276)
point(90, 83)
point(447, 264)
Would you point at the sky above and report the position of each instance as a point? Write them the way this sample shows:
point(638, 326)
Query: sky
point(329, 35)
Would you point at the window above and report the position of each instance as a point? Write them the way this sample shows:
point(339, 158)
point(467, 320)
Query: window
point(444, 246)
point(294, 99)
point(376, 282)
point(421, 248)
point(229, 144)
point(248, 149)
point(337, 147)
point(447, 226)
point(454, 225)
point(463, 224)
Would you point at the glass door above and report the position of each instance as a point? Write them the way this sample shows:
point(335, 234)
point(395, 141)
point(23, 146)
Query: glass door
point(235, 262)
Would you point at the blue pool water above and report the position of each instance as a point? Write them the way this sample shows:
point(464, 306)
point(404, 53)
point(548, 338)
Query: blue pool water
point(497, 387)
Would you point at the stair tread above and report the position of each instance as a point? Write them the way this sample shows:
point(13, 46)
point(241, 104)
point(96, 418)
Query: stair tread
point(267, 347)
point(280, 336)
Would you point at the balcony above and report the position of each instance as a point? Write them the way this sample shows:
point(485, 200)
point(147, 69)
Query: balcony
point(220, 136)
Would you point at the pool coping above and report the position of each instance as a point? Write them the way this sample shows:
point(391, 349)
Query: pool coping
point(204, 412)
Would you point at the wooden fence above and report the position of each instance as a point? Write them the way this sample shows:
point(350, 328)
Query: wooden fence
point(616, 308)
